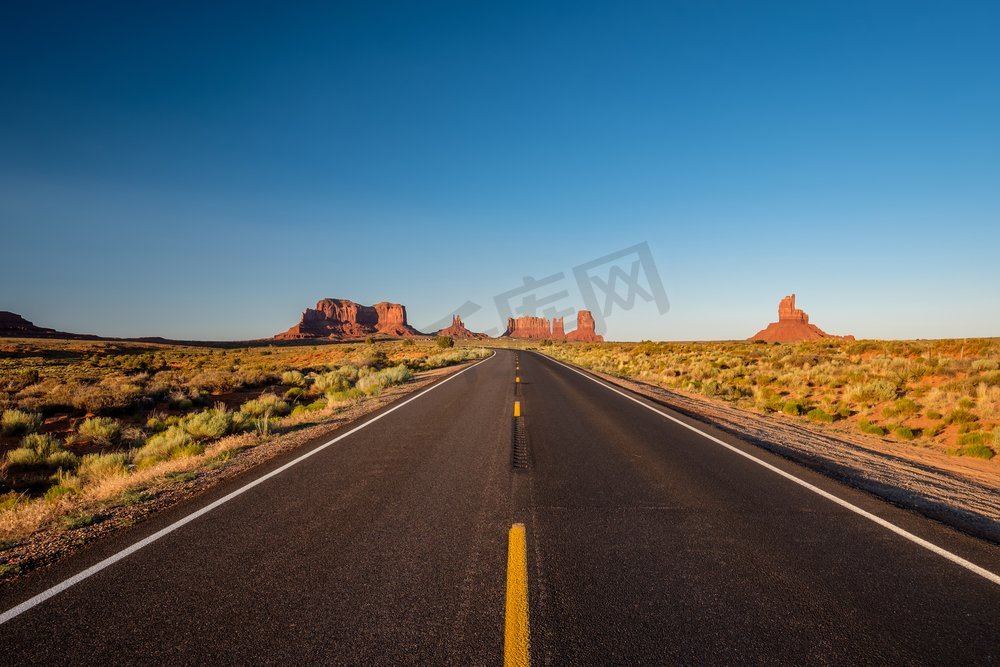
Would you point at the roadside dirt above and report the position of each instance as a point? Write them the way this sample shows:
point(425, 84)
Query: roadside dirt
point(55, 543)
point(962, 492)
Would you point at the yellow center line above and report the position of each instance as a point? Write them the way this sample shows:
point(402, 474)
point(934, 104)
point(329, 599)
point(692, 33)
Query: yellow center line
point(517, 408)
point(516, 639)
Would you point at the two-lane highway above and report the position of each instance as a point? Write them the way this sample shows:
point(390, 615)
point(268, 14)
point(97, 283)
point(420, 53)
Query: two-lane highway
point(647, 543)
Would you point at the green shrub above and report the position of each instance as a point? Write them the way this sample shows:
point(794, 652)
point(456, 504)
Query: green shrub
point(904, 432)
point(62, 460)
point(960, 416)
point(266, 406)
point(19, 422)
point(174, 443)
point(96, 468)
point(373, 383)
point(933, 431)
point(872, 392)
point(455, 356)
point(24, 458)
point(347, 396)
point(975, 438)
point(294, 394)
point(315, 406)
point(18, 380)
point(933, 414)
point(114, 392)
point(58, 491)
point(208, 424)
point(334, 381)
point(293, 379)
point(820, 415)
point(793, 407)
point(349, 372)
point(181, 403)
point(903, 407)
point(980, 365)
point(157, 424)
point(100, 430)
point(10, 500)
point(977, 451)
point(444, 341)
point(770, 403)
point(40, 452)
point(870, 428)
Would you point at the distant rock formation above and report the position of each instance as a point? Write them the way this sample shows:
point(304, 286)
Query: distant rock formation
point(458, 330)
point(528, 327)
point(341, 319)
point(558, 332)
point(792, 325)
point(540, 328)
point(13, 325)
point(585, 329)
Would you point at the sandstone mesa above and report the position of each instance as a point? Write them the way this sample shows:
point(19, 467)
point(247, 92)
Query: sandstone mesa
point(342, 319)
point(540, 328)
point(792, 326)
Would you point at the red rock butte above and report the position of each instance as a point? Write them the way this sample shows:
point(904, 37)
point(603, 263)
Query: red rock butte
point(458, 330)
point(792, 325)
point(341, 319)
point(541, 328)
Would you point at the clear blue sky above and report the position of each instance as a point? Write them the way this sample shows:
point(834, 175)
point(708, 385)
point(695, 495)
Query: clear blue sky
point(200, 171)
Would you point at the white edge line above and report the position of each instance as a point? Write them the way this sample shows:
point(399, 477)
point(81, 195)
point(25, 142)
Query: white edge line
point(954, 558)
point(128, 551)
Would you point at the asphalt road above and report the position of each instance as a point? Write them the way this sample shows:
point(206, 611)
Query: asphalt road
point(647, 543)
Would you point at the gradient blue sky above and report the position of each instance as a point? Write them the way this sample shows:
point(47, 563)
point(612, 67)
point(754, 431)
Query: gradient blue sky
point(200, 171)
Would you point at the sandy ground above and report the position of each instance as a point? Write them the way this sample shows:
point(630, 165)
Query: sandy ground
point(960, 491)
point(52, 544)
